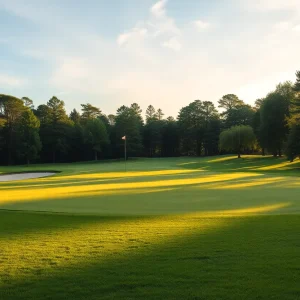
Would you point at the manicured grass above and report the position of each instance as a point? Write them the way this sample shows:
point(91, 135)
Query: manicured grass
point(186, 228)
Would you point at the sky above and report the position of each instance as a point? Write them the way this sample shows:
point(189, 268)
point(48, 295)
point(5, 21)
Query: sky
point(167, 53)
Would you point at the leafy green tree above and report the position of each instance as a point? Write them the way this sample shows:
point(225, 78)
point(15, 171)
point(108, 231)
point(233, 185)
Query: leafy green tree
point(212, 127)
point(128, 123)
point(75, 116)
point(237, 139)
point(286, 90)
point(211, 136)
point(170, 138)
point(76, 143)
point(150, 113)
point(111, 119)
point(95, 136)
point(43, 112)
point(293, 144)
point(229, 102)
point(256, 124)
point(199, 133)
point(90, 112)
point(258, 103)
point(137, 111)
point(273, 123)
point(191, 122)
point(57, 110)
point(171, 119)
point(295, 103)
point(152, 137)
point(240, 115)
point(28, 139)
point(160, 114)
point(28, 102)
point(11, 109)
point(56, 129)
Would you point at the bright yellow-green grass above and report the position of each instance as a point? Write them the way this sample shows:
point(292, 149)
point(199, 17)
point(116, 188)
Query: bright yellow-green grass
point(184, 228)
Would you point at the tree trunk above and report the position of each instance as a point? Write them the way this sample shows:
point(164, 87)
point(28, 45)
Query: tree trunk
point(10, 146)
point(96, 155)
point(239, 152)
point(28, 162)
point(53, 157)
point(263, 152)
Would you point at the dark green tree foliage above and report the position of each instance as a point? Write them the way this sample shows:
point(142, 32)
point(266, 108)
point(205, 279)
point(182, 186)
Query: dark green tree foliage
point(56, 130)
point(152, 134)
point(77, 149)
point(28, 102)
point(295, 103)
point(95, 136)
point(43, 112)
point(150, 114)
point(228, 103)
point(240, 115)
point(192, 123)
point(199, 128)
point(89, 112)
point(293, 144)
point(75, 116)
point(11, 109)
point(128, 122)
point(212, 127)
point(237, 139)
point(28, 139)
point(160, 114)
point(137, 111)
point(286, 90)
point(170, 138)
point(273, 123)
point(258, 103)
point(256, 125)
point(211, 137)
point(111, 119)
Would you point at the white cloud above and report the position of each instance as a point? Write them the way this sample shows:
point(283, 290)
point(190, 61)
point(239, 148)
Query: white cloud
point(201, 25)
point(159, 8)
point(268, 5)
point(133, 33)
point(161, 23)
point(82, 64)
point(7, 81)
point(173, 44)
point(157, 28)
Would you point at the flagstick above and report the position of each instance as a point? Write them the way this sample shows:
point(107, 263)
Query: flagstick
point(125, 153)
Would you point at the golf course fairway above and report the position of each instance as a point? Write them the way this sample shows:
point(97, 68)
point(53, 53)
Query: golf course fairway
point(178, 228)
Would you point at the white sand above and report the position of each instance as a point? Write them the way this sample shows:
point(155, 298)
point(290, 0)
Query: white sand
point(23, 176)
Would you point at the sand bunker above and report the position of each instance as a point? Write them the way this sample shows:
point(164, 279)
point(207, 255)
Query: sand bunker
point(24, 176)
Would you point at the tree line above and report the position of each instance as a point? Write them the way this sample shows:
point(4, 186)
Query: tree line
point(48, 134)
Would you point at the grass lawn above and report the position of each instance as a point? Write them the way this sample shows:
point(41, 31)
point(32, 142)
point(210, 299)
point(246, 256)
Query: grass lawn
point(184, 228)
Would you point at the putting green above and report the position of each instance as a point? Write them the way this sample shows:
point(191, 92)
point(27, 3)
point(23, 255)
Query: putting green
point(159, 187)
point(184, 228)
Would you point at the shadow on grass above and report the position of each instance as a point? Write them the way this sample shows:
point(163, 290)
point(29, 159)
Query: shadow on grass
point(180, 195)
point(250, 163)
point(247, 258)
